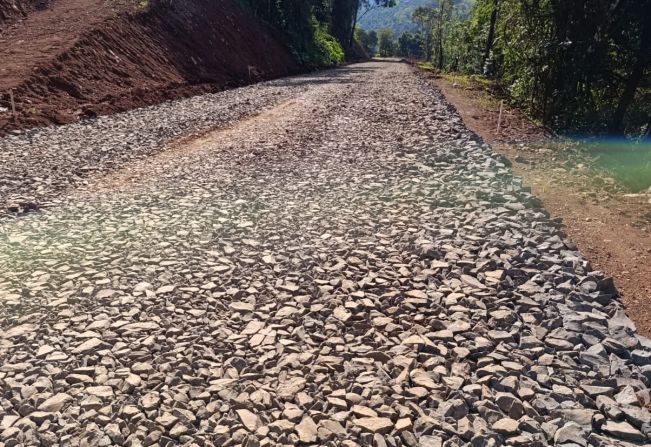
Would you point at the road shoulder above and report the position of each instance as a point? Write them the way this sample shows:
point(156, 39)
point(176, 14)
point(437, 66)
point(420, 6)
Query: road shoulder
point(610, 226)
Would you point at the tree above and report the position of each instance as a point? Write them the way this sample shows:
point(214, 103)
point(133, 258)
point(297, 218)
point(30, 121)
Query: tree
point(368, 40)
point(387, 43)
point(345, 14)
point(426, 17)
point(443, 16)
point(491, 35)
point(641, 56)
point(411, 45)
point(580, 66)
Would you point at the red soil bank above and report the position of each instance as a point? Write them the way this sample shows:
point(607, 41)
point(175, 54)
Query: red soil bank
point(78, 58)
point(12, 10)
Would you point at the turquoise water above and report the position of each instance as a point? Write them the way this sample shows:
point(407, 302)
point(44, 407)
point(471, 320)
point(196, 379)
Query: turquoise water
point(628, 162)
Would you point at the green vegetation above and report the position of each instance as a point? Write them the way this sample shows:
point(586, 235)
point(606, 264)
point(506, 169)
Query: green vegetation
point(368, 40)
point(410, 45)
point(581, 67)
point(387, 43)
point(320, 32)
point(329, 52)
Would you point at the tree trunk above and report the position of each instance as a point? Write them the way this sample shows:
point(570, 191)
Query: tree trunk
point(352, 31)
point(491, 35)
point(440, 33)
point(442, 6)
point(441, 52)
point(633, 82)
point(343, 13)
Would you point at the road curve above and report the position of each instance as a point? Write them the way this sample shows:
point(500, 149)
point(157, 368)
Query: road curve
point(330, 260)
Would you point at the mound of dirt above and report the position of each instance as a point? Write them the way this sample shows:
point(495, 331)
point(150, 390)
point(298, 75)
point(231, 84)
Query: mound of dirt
point(11, 10)
point(82, 58)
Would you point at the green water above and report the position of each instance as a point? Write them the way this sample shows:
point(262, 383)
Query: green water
point(628, 162)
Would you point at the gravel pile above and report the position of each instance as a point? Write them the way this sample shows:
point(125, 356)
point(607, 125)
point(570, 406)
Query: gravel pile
point(351, 269)
point(38, 165)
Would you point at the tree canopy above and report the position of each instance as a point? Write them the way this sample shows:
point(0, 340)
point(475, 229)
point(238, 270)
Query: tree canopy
point(579, 66)
point(576, 65)
point(309, 24)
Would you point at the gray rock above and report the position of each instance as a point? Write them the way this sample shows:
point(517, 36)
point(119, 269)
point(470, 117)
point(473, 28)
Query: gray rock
point(623, 430)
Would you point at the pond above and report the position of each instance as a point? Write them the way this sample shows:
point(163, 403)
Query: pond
point(629, 162)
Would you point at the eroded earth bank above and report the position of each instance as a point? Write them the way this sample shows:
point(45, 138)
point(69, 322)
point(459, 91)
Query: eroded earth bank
point(339, 262)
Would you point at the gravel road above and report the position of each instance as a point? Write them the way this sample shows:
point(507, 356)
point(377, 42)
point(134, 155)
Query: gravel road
point(338, 262)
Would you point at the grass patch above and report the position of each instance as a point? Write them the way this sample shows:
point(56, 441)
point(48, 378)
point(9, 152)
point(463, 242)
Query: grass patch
point(427, 66)
point(485, 92)
point(470, 81)
point(142, 5)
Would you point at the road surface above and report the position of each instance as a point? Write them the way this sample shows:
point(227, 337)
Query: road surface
point(332, 259)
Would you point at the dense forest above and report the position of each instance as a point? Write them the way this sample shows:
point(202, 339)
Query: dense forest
point(578, 66)
point(320, 32)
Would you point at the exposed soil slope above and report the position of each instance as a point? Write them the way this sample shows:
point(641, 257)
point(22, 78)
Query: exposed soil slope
point(79, 58)
point(12, 10)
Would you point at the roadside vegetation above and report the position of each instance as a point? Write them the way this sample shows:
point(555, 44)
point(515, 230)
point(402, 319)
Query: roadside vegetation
point(579, 67)
point(320, 32)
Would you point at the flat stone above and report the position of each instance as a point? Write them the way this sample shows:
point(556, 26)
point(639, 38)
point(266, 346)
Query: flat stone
point(571, 433)
point(249, 420)
point(55, 403)
point(374, 424)
point(506, 426)
point(100, 391)
point(307, 430)
point(19, 331)
point(623, 430)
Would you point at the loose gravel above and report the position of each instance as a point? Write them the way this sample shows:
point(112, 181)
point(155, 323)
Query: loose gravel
point(351, 268)
point(39, 165)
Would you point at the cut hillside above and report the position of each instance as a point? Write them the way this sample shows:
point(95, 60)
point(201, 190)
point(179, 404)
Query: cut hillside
point(12, 10)
point(81, 58)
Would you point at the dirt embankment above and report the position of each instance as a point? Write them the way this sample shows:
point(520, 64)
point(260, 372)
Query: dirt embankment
point(80, 58)
point(12, 10)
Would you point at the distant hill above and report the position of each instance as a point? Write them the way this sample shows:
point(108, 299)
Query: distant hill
point(397, 18)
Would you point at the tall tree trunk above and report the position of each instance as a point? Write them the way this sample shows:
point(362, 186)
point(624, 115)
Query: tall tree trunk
point(440, 64)
point(352, 31)
point(633, 82)
point(440, 42)
point(343, 15)
point(491, 35)
point(617, 124)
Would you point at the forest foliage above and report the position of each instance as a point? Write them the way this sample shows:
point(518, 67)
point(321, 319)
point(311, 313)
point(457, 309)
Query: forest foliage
point(578, 66)
point(320, 32)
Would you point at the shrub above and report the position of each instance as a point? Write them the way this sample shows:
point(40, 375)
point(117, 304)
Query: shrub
point(322, 50)
point(329, 50)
